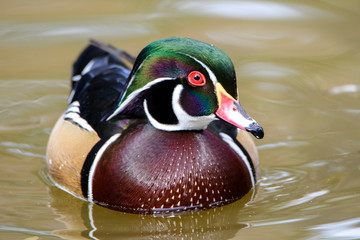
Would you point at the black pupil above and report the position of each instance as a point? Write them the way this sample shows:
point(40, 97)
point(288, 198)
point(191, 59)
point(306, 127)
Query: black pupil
point(197, 77)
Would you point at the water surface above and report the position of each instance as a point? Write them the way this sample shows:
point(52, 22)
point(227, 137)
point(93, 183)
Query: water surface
point(298, 75)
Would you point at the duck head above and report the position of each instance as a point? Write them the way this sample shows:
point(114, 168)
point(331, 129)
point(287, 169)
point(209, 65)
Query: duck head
point(183, 84)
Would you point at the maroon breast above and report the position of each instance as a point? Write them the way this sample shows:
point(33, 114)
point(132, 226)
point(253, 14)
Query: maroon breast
point(148, 170)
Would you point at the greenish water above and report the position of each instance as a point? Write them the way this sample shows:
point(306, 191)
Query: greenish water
point(298, 68)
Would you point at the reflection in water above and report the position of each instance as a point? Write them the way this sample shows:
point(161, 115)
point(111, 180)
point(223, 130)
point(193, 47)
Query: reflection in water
point(307, 198)
point(347, 229)
point(249, 9)
point(288, 144)
point(298, 71)
point(348, 88)
point(74, 29)
point(268, 70)
point(97, 222)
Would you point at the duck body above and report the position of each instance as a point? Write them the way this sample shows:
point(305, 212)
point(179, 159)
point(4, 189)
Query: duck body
point(162, 136)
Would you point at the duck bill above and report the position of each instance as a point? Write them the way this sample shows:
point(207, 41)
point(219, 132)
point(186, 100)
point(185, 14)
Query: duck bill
point(232, 112)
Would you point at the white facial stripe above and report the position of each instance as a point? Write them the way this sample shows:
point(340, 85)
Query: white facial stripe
point(186, 122)
point(226, 138)
point(130, 82)
point(211, 73)
point(155, 123)
point(134, 94)
point(95, 163)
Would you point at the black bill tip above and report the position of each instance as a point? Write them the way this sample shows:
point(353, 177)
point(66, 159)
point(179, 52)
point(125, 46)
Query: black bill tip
point(256, 130)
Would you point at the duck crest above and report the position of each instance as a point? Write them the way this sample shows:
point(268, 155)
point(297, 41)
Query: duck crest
point(175, 57)
point(166, 136)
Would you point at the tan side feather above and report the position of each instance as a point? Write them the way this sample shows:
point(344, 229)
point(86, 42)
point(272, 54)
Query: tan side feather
point(246, 140)
point(67, 150)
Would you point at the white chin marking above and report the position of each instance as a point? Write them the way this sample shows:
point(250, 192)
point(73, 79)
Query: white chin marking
point(185, 121)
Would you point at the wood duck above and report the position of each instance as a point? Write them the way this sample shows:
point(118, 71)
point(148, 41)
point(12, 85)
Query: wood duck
point(166, 136)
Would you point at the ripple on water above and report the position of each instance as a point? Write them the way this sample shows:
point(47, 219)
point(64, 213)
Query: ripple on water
point(55, 31)
point(273, 180)
point(276, 195)
point(264, 10)
point(306, 198)
point(31, 107)
point(347, 229)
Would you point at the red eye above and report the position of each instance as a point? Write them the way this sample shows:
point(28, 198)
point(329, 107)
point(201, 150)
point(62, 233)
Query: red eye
point(196, 78)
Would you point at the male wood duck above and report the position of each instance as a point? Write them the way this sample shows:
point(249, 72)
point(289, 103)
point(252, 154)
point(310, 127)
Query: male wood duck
point(166, 136)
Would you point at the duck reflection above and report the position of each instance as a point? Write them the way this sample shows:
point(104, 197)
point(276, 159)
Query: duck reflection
point(83, 220)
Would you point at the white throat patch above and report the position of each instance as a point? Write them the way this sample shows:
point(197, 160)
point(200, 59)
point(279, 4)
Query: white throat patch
point(185, 121)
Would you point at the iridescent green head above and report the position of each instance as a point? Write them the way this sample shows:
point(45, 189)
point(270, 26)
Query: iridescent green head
point(171, 57)
point(182, 84)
